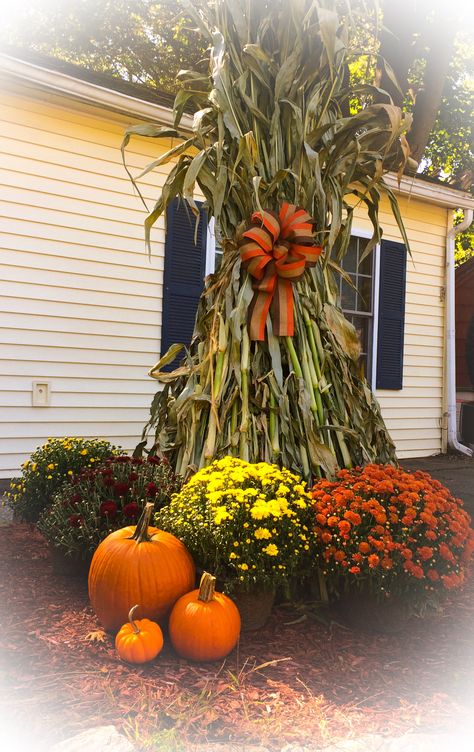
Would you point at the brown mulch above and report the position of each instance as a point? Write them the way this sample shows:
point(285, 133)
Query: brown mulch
point(301, 679)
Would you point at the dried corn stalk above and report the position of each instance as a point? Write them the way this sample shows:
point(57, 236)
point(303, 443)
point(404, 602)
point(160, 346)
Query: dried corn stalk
point(270, 126)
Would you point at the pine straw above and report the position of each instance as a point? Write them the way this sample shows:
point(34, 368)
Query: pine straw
point(308, 681)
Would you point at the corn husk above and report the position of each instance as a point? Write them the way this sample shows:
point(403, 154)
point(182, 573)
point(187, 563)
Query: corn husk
point(270, 125)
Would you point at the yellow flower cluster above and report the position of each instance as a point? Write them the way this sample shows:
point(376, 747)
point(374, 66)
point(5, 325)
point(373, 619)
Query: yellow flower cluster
point(47, 469)
point(246, 522)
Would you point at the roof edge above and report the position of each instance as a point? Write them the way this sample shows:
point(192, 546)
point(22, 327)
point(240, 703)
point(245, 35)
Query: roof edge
point(124, 104)
point(432, 193)
point(88, 92)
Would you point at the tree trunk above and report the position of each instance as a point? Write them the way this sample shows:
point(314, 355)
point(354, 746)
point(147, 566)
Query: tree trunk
point(428, 98)
point(413, 29)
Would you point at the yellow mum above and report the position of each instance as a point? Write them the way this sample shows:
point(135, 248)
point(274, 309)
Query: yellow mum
point(271, 550)
point(262, 533)
point(221, 515)
point(300, 503)
point(259, 511)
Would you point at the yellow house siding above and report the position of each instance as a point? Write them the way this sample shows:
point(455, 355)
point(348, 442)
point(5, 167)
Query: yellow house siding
point(414, 414)
point(80, 302)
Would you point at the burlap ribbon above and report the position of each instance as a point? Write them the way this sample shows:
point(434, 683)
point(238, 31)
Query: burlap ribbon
point(275, 250)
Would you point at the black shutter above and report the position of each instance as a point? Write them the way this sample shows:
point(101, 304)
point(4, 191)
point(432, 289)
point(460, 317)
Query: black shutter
point(391, 321)
point(183, 278)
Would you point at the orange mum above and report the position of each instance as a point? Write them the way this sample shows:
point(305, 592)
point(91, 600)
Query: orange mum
point(394, 528)
point(344, 527)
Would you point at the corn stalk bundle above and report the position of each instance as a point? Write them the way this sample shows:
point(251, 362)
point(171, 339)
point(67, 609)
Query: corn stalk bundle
point(272, 124)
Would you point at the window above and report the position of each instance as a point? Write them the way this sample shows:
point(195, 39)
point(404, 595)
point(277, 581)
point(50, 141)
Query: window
point(357, 299)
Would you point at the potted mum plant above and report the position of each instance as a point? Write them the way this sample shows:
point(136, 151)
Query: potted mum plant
point(100, 500)
point(249, 524)
point(390, 543)
point(49, 467)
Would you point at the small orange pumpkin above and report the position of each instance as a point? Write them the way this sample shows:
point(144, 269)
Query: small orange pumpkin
point(204, 625)
point(139, 641)
point(138, 564)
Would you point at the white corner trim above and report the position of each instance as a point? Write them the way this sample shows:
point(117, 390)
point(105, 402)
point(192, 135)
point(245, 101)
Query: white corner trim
point(375, 315)
point(450, 334)
point(88, 92)
point(433, 193)
point(210, 248)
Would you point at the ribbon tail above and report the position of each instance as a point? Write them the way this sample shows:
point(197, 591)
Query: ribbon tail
point(260, 306)
point(283, 309)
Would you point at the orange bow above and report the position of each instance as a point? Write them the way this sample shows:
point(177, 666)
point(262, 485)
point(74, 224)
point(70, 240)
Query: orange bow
point(275, 251)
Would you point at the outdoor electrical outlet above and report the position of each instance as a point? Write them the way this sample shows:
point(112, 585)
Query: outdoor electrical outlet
point(41, 394)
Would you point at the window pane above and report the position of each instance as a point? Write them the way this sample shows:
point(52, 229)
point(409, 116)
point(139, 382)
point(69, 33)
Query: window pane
point(348, 295)
point(361, 325)
point(349, 262)
point(217, 259)
point(366, 266)
point(364, 297)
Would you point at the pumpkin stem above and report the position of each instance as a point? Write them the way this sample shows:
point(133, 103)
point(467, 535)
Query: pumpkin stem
point(207, 587)
point(141, 530)
point(130, 618)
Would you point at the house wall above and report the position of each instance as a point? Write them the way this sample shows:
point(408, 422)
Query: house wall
point(414, 415)
point(80, 302)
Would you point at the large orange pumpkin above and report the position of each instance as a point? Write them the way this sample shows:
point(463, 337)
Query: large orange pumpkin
point(139, 564)
point(204, 625)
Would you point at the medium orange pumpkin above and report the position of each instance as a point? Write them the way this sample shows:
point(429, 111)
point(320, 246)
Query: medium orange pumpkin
point(204, 625)
point(139, 564)
point(139, 641)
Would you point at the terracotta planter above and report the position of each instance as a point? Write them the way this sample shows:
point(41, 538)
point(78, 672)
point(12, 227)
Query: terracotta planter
point(69, 566)
point(363, 612)
point(255, 608)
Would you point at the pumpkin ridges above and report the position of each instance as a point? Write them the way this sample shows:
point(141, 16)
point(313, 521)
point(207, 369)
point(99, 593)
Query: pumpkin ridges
point(204, 630)
point(139, 641)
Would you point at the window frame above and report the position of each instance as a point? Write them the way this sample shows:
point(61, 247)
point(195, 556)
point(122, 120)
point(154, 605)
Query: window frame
point(211, 248)
point(359, 232)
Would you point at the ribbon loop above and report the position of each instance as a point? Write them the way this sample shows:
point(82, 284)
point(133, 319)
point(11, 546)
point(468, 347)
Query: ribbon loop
point(275, 250)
